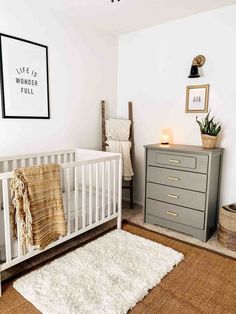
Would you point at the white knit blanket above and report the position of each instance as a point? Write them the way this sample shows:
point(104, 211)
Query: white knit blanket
point(117, 133)
point(122, 147)
point(118, 129)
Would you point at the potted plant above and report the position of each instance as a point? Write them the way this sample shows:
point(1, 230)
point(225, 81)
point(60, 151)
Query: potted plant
point(209, 131)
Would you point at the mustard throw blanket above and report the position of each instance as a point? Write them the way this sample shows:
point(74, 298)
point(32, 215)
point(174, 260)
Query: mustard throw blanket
point(37, 205)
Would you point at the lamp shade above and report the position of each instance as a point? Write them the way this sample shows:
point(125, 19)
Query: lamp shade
point(165, 137)
point(194, 71)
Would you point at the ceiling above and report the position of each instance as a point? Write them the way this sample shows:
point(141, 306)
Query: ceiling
point(129, 15)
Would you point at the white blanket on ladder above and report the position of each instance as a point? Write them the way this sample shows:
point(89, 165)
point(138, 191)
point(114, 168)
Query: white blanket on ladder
point(118, 129)
point(117, 133)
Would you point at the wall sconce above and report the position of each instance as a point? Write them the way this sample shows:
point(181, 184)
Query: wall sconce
point(165, 137)
point(198, 62)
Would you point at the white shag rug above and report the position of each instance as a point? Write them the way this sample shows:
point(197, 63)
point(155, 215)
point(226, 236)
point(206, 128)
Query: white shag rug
point(108, 275)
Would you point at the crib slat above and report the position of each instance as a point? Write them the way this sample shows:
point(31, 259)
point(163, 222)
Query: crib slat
point(59, 159)
point(14, 163)
point(53, 159)
point(90, 196)
point(23, 162)
point(71, 157)
point(31, 161)
point(5, 166)
point(62, 173)
point(103, 190)
point(65, 158)
point(38, 160)
point(30, 248)
point(68, 198)
point(108, 188)
point(19, 246)
point(76, 198)
point(6, 219)
point(114, 186)
point(97, 192)
point(83, 198)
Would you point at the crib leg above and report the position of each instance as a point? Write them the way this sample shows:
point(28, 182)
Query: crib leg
point(119, 221)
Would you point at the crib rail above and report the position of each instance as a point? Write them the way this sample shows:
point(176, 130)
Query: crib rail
point(92, 195)
point(12, 162)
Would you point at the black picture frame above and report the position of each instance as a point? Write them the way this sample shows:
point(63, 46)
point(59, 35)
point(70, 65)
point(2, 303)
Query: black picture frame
point(4, 114)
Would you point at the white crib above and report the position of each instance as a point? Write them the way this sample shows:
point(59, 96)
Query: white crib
point(91, 185)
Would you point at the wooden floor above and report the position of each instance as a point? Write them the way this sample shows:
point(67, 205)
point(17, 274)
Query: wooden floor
point(203, 283)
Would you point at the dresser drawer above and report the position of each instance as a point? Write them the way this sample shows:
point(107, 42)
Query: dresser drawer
point(175, 213)
point(186, 198)
point(196, 163)
point(177, 178)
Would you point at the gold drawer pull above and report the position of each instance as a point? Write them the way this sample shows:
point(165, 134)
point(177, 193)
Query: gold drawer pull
point(173, 196)
point(172, 213)
point(174, 161)
point(174, 178)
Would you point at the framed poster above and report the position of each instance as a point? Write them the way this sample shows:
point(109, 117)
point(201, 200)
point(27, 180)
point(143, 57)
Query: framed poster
point(197, 97)
point(24, 78)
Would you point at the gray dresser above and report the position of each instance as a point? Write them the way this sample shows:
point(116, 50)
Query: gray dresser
point(182, 188)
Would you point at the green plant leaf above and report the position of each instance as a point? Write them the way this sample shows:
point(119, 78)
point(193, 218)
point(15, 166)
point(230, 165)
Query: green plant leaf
point(208, 126)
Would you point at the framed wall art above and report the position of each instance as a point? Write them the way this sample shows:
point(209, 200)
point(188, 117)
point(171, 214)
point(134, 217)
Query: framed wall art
point(24, 78)
point(197, 97)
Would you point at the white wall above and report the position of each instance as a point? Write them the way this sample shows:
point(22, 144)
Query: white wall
point(153, 68)
point(82, 71)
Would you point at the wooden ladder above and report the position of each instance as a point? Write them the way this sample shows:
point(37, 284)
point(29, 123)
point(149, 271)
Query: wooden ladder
point(127, 185)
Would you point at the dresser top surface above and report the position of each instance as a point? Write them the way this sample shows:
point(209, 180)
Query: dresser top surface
point(184, 148)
